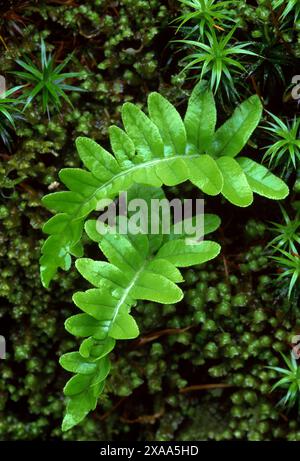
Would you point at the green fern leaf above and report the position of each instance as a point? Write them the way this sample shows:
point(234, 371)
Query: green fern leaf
point(200, 118)
point(155, 151)
point(232, 136)
point(262, 181)
point(235, 188)
point(132, 272)
point(169, 123)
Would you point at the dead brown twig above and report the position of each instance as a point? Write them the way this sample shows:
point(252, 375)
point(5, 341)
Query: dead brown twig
point(204, 387)
point(111, 410)
point(157, 334)
point(144, 419)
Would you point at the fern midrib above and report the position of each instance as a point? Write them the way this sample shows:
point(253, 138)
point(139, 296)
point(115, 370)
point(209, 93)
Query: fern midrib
point(126, 293)
point(119, 304)
point(73, 217)
point(130, 171)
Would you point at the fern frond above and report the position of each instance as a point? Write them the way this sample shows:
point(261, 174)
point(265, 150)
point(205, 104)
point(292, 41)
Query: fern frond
point(133, 272)
point(156, 151)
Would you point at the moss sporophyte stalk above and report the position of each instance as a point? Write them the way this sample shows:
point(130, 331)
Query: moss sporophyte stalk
point(2, 347)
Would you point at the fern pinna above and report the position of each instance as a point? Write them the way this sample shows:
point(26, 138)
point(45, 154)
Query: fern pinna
point(161, 149)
